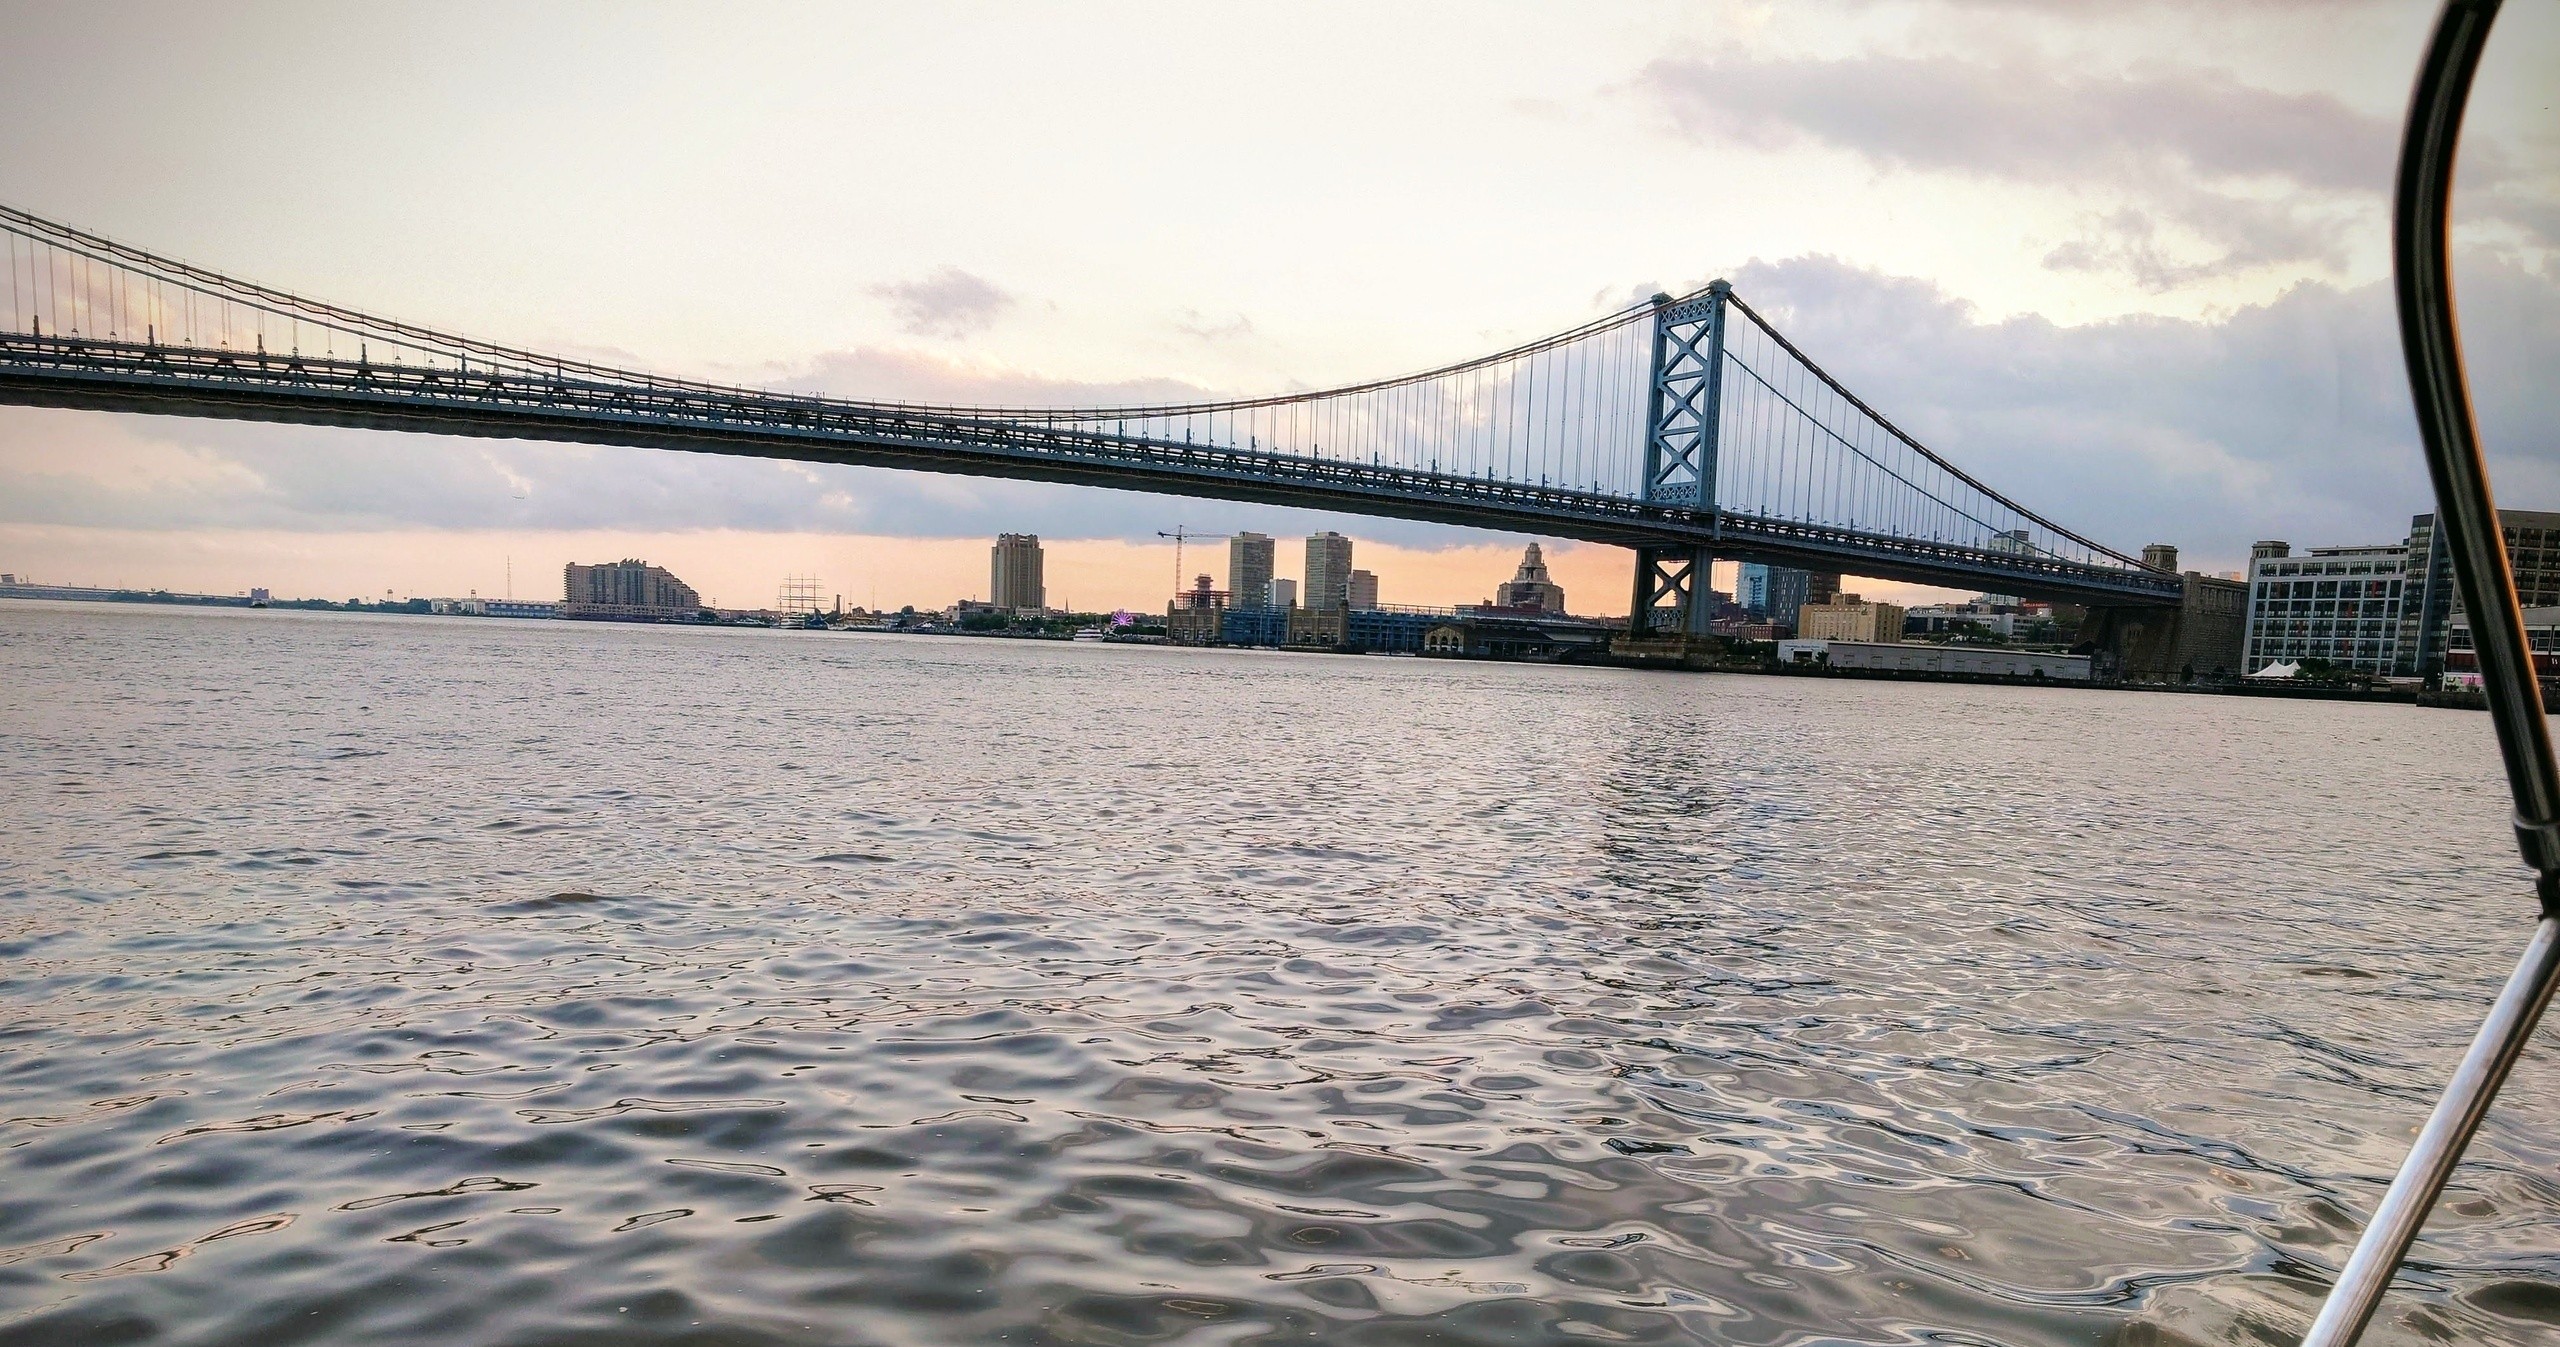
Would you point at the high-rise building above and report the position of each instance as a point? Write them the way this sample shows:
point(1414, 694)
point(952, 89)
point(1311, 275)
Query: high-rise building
point(1530, 587)
point(1284, 593)
point(1014, 578)
point(629, 587)
point(1328, 570)
point(2341, 605)
point(2429, 598)
point(1789, 589)
point(1249, 563)
point(1751, 588)
point(1362, 592)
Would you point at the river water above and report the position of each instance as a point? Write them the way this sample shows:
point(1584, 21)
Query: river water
point(441, 980)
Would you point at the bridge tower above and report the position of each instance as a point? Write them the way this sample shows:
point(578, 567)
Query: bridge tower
point(1681, 417)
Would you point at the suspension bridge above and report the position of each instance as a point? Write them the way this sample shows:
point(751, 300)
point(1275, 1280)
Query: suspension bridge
point(1686, 428)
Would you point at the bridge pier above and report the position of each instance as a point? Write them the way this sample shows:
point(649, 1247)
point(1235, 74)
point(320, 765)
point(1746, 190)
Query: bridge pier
point(1671, 611)
point(1668, 621)
point(2200, 639)
point(1672, 590)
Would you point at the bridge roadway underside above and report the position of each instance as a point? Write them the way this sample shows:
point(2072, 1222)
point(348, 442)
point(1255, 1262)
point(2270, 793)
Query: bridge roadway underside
point(325, 393)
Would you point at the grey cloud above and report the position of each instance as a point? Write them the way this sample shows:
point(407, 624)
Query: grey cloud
point(948, 303)
point(2248, 233)
point(2289, 419)
point(1997, 121)
point(2046, 7)
point(2252, 176)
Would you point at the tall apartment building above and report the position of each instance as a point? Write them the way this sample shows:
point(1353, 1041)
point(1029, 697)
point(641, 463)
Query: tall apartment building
point(1284, 593)
point(2429, 599)
point(1785, 589)
point(1328, 582)
point(629, 585)
point(1846, 617)
point(2343, 605)
point(1249, 563)
point(1362, 592)
point(1014, 579)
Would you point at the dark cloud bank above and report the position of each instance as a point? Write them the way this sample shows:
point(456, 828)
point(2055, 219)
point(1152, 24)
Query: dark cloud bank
point(2289, 419)
point(2189, 175)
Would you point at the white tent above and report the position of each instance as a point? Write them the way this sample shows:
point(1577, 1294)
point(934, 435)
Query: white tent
point(2287, 669)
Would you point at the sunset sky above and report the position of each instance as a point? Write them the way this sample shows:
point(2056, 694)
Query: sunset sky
point(2129, 266)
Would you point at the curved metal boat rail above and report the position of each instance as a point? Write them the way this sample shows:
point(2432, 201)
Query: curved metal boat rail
point(2423, 278)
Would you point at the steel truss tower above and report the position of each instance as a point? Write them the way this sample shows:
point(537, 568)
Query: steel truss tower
point(1672, 589)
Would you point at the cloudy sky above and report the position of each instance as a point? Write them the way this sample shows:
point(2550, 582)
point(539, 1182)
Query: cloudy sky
point(2127, 265)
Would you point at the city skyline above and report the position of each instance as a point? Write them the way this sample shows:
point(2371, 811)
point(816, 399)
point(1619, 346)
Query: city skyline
point(740, 570)
point(2214, 358)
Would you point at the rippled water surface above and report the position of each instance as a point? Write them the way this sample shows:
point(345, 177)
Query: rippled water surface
point(435, 980)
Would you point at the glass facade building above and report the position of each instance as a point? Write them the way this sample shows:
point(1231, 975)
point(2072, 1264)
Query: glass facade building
point(1391, 630)
point(2533, 546)
point(1255, 626)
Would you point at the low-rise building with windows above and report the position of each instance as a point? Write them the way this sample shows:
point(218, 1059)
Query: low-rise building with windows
point(1254, 626)
point(1326, 628)
point(1849, 618)
point(2542, 635)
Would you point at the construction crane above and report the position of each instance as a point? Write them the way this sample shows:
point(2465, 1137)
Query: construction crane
point(1180, 535)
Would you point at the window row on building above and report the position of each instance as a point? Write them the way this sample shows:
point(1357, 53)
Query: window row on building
point(2384, 609)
